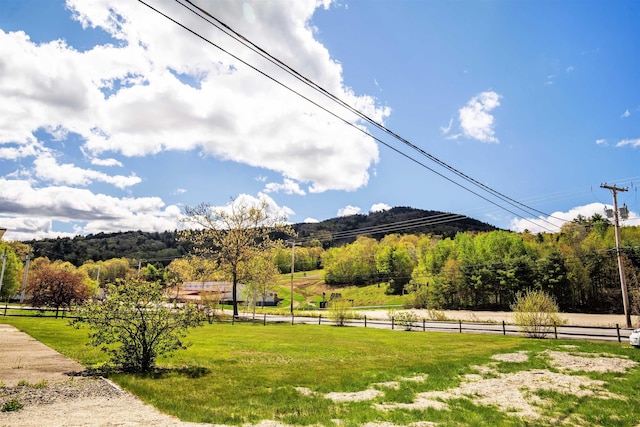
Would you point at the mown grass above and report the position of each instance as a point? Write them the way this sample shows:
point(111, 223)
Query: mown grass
point(245, 373)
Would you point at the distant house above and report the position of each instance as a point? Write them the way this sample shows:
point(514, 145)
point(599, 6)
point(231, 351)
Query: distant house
point(223, 291)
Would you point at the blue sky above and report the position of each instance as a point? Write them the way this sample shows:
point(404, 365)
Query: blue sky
point(114, 118)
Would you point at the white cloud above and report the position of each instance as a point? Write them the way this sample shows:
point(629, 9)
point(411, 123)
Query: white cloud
point(570, 69)
point(557, 219)
point(129, 99)
point(288, 187)
point(475, 120)
point(29, 211)
point(601, 141)
point(348, 210)
point(47, 168)
point(635, 142)
point(310, 220)
point(446, 129)
point(626, 114)
point(156, 88)
point(106, 162)
point(380, 207)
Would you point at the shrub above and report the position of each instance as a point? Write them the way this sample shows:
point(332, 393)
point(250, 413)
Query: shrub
point(11, 405)
point(135, 324)
point(536, 313)
point(340, 311)
point(405, 319)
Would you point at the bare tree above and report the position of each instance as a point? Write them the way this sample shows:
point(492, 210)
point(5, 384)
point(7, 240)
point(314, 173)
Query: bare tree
point(234, 234)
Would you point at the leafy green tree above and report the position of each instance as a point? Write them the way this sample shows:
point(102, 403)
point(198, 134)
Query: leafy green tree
point(395, 263)
point(152, 273)
point(233, 235)
point(12, 266)
point(353, 264)
point(260, 276)
point(134, 325)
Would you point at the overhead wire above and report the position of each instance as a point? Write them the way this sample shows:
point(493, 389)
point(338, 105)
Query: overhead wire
point(257, 49)
point(247, 43)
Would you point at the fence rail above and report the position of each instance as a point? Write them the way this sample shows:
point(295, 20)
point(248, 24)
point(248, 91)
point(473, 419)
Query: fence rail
point(600, 333)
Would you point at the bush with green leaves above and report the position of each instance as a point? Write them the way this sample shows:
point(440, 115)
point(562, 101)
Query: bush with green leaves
point(11, 405)
point(135, 324)
point(536, 313)
point(405, 319)
point(340, 310)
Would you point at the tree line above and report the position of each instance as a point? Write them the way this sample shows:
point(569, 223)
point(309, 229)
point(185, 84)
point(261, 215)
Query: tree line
point(477, 270)
point(481, 271)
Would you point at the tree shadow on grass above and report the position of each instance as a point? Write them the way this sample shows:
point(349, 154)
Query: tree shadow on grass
point(157, 373)
point(181, 371)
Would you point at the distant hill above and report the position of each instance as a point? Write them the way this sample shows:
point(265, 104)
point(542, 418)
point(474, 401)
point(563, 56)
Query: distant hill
point(163, 247)
point(400, 220)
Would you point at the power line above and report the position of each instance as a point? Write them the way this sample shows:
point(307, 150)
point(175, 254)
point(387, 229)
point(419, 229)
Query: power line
point(248, 43)
point(238, 37)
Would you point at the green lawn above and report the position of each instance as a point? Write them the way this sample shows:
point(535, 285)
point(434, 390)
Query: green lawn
point(245, 373)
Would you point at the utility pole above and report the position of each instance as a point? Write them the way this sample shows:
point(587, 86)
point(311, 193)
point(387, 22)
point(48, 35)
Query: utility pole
point(293, 260)
point(623, 282)
point(24, 280)
point(4, 262)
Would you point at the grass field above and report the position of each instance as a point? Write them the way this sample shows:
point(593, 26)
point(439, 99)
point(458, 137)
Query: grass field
point(245, 373)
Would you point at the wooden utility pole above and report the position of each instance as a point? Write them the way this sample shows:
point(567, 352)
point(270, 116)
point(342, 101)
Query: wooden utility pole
point(623, 282)
point(293, 261)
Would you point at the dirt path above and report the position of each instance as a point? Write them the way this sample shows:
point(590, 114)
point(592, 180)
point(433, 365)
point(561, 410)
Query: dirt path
point(57, 395)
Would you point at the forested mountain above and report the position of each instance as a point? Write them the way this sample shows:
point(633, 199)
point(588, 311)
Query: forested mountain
point(401, 220)
point(154, 246)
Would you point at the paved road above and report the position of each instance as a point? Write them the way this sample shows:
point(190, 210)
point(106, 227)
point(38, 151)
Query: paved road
point(598, 333)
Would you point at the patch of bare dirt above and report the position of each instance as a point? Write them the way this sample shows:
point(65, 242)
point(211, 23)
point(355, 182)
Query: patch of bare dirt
point(514, 393)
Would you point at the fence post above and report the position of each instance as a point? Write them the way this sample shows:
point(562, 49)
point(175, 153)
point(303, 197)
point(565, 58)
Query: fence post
point(504, 329)
point(365, 321)
point(424, 325)
point(292, 318)
point(264, 321)
point(392, 323)
point(618, 331)
point(460, 325)
point(320, 319)
point(555, 331)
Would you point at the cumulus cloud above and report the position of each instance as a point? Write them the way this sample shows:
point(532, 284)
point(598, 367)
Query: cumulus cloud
point(555, 221)
point(47, 168)
point(155, 88)
point(28, 211)
point(130, 99)
point(288, 187)
point(625, 114)
point(475, 119)
point(601, 141)
point(310, 220)
point(380, 207)
point(348, 210)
